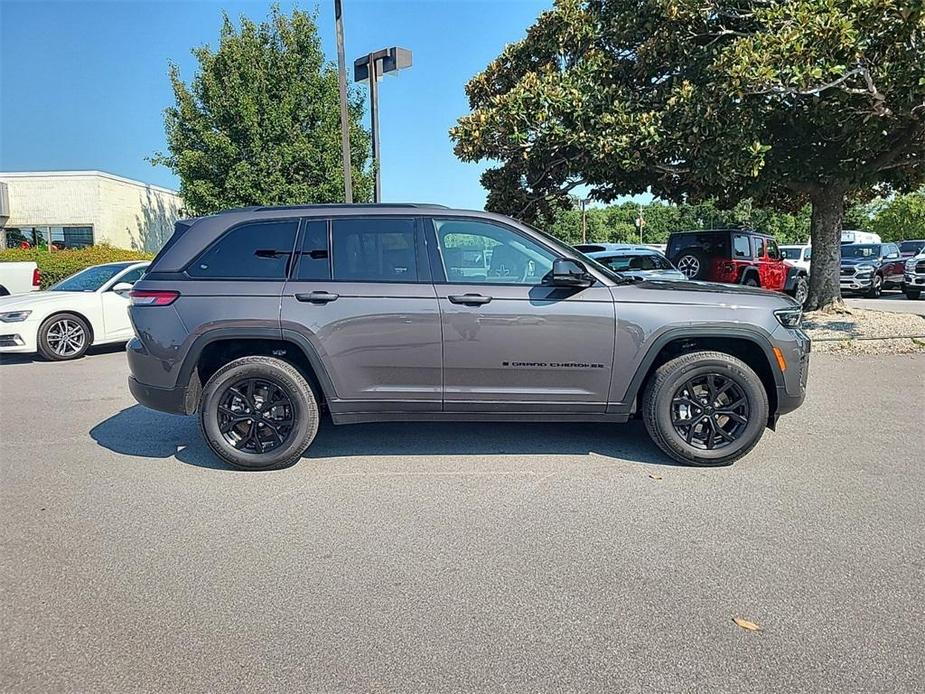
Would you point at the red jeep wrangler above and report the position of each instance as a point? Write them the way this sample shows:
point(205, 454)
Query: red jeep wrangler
point(736, 256)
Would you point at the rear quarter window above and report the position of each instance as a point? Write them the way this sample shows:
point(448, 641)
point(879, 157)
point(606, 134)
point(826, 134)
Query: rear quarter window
point(253, 250)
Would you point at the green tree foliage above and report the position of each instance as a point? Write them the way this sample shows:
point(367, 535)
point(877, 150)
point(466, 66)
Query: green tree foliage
point(786, 102)
point(260, 122)
point(899, 218)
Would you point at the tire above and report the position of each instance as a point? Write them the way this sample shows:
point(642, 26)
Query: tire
point(64, 336)
point(692, 263)
point(876, 287)
point(671, 380)
point(750, 280)
point(801, 290)
point(284, 443)
point(912, 293)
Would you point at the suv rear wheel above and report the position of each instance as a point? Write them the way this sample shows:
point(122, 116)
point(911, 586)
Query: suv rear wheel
point(705, 408)
point(692, 263)
point(258, 413)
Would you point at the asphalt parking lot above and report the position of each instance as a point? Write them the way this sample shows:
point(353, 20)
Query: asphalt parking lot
point(893, 301)
point(408, 557)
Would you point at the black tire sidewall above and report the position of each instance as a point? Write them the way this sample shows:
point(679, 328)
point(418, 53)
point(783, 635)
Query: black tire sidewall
point(912, 295)
point(305, 412)
point(875, 288)
point(45, 350)
point(674, 444)
point(801, 282)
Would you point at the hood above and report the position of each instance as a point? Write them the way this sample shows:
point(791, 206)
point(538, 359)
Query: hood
point(694, 292)
point(655, 274)
point(32, 300)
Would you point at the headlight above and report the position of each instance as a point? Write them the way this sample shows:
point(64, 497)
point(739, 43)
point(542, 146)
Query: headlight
point(14, 316)
point(789, 317)
point(910, 263)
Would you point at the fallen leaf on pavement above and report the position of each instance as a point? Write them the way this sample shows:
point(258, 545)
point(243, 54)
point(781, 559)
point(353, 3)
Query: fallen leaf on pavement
point(745, 624)
point(656, 477)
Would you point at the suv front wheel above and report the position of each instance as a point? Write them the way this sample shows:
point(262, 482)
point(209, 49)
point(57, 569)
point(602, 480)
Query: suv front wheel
point(258, 413)
point(705, 408)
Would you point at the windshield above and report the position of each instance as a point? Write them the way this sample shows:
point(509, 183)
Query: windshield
point(641, 261)
point(867, 250)
point(790, 252)
point(912, 247)
point(91, 279)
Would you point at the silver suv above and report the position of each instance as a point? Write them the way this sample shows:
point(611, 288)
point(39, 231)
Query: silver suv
point(261, 318)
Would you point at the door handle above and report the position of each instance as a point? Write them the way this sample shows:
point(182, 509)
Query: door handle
point(469, 299)
point(316, 297)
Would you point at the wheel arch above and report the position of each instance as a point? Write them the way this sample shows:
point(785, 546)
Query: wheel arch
point(750, 271)
point(748, 345)
point(217, 347)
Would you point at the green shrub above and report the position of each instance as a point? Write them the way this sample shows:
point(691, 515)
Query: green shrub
point(57, 265)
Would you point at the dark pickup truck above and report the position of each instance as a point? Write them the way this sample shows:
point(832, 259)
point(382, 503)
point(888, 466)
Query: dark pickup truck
point(869, 268)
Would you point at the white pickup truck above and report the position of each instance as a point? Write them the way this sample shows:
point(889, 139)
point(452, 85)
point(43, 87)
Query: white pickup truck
point(19, 277)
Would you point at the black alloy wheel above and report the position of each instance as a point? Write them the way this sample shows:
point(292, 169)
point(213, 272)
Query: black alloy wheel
point(255, 415)
point(710, 411)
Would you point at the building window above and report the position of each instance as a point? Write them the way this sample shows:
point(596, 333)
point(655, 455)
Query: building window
point(61, 236)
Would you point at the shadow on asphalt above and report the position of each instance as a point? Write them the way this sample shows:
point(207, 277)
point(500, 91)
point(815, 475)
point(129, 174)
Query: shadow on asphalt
point(140, 432)
point(30, 358)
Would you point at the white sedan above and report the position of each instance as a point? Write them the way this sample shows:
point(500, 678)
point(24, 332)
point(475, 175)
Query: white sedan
point(88, 308)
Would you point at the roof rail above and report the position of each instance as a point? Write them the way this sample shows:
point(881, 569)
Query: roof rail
point(328, 206)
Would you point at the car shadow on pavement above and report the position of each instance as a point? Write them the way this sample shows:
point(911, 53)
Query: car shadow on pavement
point(35, 358)
point(140, 432)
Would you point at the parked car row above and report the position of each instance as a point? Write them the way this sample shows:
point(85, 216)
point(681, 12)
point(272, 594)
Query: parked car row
point(88, 308)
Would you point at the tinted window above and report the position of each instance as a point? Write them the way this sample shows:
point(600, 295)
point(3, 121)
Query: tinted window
point(740, 247)
point(91, 279)
point(867, 250)
point(912, 247)
point(505, 257)
point(642, 261)
point(374, 250)
point(758, 246)
point(259, 250)
point(714, 244)
point(313, 258)
point(133, 276)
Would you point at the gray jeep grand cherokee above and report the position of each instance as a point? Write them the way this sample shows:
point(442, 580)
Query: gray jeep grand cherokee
point(258, 318)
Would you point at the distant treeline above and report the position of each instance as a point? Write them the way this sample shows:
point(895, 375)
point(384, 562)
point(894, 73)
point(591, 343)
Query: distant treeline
point(901, 217)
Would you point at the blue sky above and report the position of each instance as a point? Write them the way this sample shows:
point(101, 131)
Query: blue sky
point(83, 84)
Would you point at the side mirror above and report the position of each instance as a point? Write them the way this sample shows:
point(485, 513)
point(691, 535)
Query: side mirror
point(122, 288)
point(570, 273)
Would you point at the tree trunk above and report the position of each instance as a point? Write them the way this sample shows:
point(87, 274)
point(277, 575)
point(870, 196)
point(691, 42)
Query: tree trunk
point(825, 265)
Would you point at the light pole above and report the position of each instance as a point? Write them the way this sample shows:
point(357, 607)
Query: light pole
point(370, 68)
point(584, 222)
point(344, 118)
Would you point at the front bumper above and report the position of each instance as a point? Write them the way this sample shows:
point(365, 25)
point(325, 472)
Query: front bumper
point(795, 346)
point(916, 281)
point(855, 283)
point(19, 338)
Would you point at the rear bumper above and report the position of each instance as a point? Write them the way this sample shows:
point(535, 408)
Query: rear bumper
point(172, 400)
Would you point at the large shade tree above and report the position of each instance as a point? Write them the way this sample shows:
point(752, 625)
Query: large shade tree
point(260, 122)
point(785, 102)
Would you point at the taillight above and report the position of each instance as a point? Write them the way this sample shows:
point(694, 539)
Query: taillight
point(153, 297)
point(36, 278)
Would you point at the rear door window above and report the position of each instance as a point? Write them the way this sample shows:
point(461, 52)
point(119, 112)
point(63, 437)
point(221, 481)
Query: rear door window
point(314, 258)
point(374, 250)
point(255, 250)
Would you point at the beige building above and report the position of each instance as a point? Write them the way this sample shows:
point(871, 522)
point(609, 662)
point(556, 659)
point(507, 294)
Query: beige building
point(82, 208)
